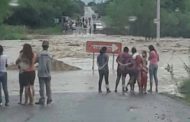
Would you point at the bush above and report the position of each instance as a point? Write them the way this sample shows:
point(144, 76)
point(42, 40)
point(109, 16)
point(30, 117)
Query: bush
point(41, 13)
point(13, 32)
point(8, 32)
point(185, 89)
point(46, 31)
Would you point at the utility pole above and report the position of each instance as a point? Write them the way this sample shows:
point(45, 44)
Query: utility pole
point(158, 23)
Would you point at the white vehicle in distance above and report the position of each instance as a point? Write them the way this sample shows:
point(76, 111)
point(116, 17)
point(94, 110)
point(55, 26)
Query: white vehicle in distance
point(99, 26)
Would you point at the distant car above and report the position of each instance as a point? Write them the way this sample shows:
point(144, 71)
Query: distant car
point(99, 26)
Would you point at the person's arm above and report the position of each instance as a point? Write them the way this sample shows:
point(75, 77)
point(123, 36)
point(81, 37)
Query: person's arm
point(37, 58)
point(97, 62)
point(117, 59)
point(107, 59)
point(6, 65)
point(158, 57)
point(18, 59)
point(49, 64)
point(150, 55)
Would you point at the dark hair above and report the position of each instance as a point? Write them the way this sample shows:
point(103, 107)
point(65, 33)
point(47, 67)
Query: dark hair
point(103, 50)
point(125, 49)
point(27, 52)
point(151, 48)
point(144, 52)
point(133, 50)
point(45, 47)
point(1, 50)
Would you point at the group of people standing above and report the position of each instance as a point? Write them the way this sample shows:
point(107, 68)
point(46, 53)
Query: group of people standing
point(135, 65)
point(26, 63)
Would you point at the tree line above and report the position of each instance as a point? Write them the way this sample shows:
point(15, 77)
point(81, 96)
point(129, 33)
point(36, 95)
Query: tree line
point(175, 17)
point(39, 13)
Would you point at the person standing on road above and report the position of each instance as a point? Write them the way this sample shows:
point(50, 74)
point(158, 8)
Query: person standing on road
point(102, 62)
point(21, 78)
point(3, 77)
point(138, 64)
point(27, 60)
point(153, 67)
point(44, 74)
point(123, 61)
point(144, 72)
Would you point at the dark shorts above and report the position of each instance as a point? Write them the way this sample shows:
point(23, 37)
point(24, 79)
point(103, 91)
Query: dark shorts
point(28, 78)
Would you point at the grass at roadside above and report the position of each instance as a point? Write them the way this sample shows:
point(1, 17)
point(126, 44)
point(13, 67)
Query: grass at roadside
point(185, 89)
point(8, 32)
point(46, 31)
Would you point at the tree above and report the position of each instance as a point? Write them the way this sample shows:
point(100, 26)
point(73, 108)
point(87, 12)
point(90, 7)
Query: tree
point(119, 12)
point(175, 17)
point(3, 9)
point(41, 13)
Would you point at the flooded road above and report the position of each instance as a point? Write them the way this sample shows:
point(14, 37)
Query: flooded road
point(71, 50)
point(86, 80)
point(75, 97)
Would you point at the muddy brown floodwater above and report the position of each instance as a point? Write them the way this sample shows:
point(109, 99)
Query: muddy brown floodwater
point(69, 54)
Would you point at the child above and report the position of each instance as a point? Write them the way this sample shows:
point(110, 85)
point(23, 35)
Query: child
point(3, 77)
point(144, 72)
point(44, 74)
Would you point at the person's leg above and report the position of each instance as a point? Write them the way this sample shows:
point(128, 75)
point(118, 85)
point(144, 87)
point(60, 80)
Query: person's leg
point(118, 79)
point(31, 77)
point(26, 94)
point(32, 82)
point(106, 75)
point(0, 92)
point(5, 89)
point(144, 81)
point(48, 90)
point(21, 87)
point(139, 82)
point(126, 87)
point(30, 94)
point(41, 85)
point(145, 84)
point(151, 76)
point(132, 82)
point(123, 82)
point(156, 77)
point(100, 81)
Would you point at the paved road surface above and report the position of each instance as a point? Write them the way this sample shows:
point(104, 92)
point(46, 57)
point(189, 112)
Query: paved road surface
point(93, 107)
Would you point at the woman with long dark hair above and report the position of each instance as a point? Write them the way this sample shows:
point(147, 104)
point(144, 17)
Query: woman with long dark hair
point(26, 63)
point(153, 66)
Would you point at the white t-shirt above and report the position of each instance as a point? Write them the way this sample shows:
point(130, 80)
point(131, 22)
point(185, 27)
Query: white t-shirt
point(3, 62)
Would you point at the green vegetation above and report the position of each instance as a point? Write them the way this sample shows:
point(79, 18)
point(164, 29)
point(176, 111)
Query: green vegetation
point(41, 13)
point(3, 9)
point(175, 17)
point(36, 17)
point(8, 32)
point(185, 89)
